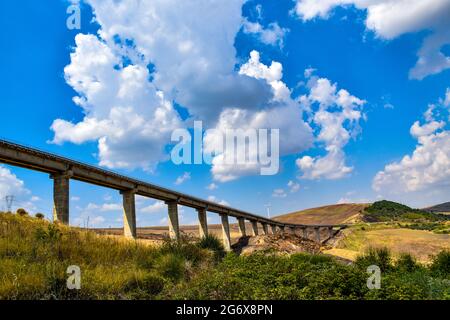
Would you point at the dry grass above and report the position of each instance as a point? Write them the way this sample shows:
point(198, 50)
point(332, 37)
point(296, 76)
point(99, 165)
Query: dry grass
point(419, 243)
point(334, 214)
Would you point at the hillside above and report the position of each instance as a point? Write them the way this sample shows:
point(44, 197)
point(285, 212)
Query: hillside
point(439, 208)
point(332, 214)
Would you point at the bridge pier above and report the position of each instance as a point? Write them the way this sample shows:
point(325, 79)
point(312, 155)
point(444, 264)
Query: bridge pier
point(129, 214)
point(317, 230)
point(174, 227)
point(292, 230)
point(274, 229)
point(265, 229)
point(203, 222)
point(254, 228)
point(61, 183)
point(305, 233)
point(282, 229)
point(241, 223)
point(226, 232)
point(330, 232)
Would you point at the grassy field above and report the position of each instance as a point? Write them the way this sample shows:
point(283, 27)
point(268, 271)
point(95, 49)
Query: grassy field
point(35, 255)
point(333, 214)
point(419, 243)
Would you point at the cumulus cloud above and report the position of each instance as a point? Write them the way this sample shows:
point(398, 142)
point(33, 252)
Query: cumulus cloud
point(212, 186)
point(279, 193)
point(282, 113)
point(155, 207)
point(11, 185)
point(184, 177)
point(392, 18)
point(218, 201)
point(337, 115)
point(428, 167)
point(272, 35)
point(293, 186)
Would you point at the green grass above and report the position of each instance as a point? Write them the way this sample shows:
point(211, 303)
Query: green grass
point(35, 254)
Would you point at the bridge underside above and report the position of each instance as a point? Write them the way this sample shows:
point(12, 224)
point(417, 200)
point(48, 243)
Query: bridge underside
point(61, 170)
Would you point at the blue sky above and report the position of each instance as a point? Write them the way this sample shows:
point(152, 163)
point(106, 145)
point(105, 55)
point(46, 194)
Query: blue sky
point(125, 53)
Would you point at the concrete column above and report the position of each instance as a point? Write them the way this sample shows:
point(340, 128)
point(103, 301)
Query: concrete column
point(226, 232)
point(61, 182)
point(282, 229)
point(274, 229)
point(241, 222)
point(202, 222)
point(129, 214)
point(292, 230)
point(317, 230)
point(265, 229)
point(254, 228)
point(305, 233)
point(174, 228)
point(330, 232)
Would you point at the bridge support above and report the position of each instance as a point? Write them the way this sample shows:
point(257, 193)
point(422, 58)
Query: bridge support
point(282, 229)
point(292, 230)
point(254, 228)
point(226, 232)
point(265, 229)
point(317, 230)
point(61, 182)
point(202, 222)
point(174, 227)
point(241, 222)
point(330, 232)
point(129, 214)
point(274, 229)
point(305, 233)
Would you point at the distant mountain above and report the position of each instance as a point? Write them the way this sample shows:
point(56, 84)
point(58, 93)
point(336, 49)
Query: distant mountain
point(440, 208)
point(332, 214)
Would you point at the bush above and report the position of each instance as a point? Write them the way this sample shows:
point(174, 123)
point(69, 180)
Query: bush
point(171, 266)
point(40, 216)
point(406, 262)
point(22, 212)
point(441, 263)
point(212, 243)
point(380, 257)
point(149, 284)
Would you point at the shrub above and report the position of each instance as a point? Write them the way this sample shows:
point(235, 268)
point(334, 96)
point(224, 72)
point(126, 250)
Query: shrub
point(149, 284)
point(22, 212)
point(212, 243)
point(406, 262)
point(380, 257)
point(441, 263)
point(40, 216)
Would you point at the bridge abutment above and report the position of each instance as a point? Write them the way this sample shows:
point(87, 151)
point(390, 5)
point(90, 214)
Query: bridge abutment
point(129, 214)
point(174, 227)
point(61, 186)
point(226, 232)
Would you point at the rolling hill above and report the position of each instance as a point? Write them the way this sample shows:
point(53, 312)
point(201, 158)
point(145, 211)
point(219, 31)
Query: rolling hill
point(332, 214)
point(439, 208)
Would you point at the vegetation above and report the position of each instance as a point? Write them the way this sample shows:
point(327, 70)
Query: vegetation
point(392, 211)
point(35, 255)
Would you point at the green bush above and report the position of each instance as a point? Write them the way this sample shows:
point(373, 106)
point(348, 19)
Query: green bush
point(441, 263)
point(40, 216)
point(212, 243)
point(406, 262)
point(22, 212)
point(171, 266)
point(380, 257)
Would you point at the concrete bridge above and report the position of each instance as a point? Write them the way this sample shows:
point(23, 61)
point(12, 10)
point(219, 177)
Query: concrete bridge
point(61, 170)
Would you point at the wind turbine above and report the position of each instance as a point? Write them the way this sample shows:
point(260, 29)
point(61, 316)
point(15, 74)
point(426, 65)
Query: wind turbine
point(268, 206)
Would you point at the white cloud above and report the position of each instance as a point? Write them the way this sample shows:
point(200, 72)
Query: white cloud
point(75, 198)
point(293, 186)
point(392, 18)
point(212, 186)
point(111, 207)
point(181, 179)
point(272, 35)
point(338, 114)
point(11, 185)
point(218, 201)
point(279, 193)
point(283, 113)
point(156, 207)
point(428, 167)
